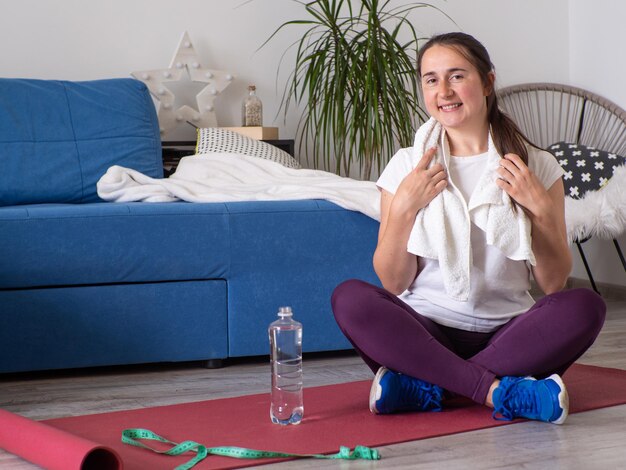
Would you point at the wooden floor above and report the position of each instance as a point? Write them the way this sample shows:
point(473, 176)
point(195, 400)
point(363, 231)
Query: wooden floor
point(590, 440)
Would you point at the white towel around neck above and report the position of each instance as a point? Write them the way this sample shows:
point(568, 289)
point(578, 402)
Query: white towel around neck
point(442, 228)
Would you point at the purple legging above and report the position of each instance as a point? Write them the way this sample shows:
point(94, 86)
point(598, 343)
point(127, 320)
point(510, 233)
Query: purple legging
point(546, 339)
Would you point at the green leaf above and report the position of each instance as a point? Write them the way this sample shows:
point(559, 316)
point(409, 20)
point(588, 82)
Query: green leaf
point(356, 81)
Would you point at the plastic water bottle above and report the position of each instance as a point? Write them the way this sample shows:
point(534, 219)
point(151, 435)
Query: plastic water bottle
point(286, 360)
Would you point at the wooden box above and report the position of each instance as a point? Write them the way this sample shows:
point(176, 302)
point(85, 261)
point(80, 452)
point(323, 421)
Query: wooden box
point(259, 133)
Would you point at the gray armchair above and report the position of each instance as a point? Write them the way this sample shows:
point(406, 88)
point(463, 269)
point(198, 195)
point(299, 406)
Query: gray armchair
point(587, 134)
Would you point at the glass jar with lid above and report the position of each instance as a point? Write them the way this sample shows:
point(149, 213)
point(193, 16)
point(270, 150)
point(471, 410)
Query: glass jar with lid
point(252, 109)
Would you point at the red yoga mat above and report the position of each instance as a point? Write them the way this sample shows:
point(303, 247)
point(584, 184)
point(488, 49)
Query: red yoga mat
point(53, 448)
point(334, 415)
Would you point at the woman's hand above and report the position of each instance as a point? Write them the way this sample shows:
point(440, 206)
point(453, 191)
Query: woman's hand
point(394, 265)
point(420, 186)
point(522, 185)
point(546, 210)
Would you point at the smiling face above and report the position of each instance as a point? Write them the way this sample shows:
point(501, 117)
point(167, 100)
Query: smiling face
point(453, 91)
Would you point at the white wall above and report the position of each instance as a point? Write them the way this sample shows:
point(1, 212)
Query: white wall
point(596, 47)
point(570, 41)
point(83, 39)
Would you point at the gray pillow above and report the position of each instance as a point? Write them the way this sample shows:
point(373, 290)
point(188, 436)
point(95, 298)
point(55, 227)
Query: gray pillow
point(214, 139)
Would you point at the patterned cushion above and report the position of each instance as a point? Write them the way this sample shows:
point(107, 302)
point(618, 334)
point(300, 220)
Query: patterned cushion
point(586, 168)
point(214, 139)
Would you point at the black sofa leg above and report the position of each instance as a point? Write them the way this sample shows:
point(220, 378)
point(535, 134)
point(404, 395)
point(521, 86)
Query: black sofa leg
point(213, 363)
point(584, 258)
point(619, 252)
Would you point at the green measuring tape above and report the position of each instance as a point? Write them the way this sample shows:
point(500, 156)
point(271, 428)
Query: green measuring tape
point(132, 437)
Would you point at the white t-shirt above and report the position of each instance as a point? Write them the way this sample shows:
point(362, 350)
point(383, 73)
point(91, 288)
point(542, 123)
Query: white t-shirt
point(498, 286)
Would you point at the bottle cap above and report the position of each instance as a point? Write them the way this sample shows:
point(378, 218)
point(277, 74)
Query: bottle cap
point(284, 312)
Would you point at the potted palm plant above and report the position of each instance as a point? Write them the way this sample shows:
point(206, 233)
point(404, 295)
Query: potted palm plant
point(355, 75)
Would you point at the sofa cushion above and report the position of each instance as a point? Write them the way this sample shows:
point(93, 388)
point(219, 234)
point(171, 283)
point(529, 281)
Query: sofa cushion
point(293, 253)
point(104, 243)
point(57, 138)
point(86, 326)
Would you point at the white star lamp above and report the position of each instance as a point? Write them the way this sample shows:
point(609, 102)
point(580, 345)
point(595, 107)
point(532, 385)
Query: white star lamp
point(185, 62)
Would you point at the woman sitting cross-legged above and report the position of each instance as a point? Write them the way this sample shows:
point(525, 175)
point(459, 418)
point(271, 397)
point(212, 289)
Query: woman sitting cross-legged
point(467, 214)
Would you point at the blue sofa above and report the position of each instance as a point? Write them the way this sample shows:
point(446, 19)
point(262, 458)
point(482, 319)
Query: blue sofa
point(90, 283)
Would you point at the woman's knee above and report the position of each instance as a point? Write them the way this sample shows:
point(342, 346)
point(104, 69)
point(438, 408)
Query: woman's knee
point(588, 307)
point(348, 297)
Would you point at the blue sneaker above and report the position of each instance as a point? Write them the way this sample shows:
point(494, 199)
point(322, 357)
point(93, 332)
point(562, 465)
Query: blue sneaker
point(525, 397)
point(392, 391)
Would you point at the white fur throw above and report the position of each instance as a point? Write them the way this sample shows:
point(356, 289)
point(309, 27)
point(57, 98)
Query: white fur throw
point(600, 213)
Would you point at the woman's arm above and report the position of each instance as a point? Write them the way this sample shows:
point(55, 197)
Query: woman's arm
point(554, 259)
point(395, 266)
point(546, 210)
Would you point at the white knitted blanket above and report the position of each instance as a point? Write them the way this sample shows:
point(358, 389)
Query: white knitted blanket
point(228, 177)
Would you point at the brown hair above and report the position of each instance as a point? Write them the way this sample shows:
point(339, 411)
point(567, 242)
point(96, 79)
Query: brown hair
point(506, 135)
